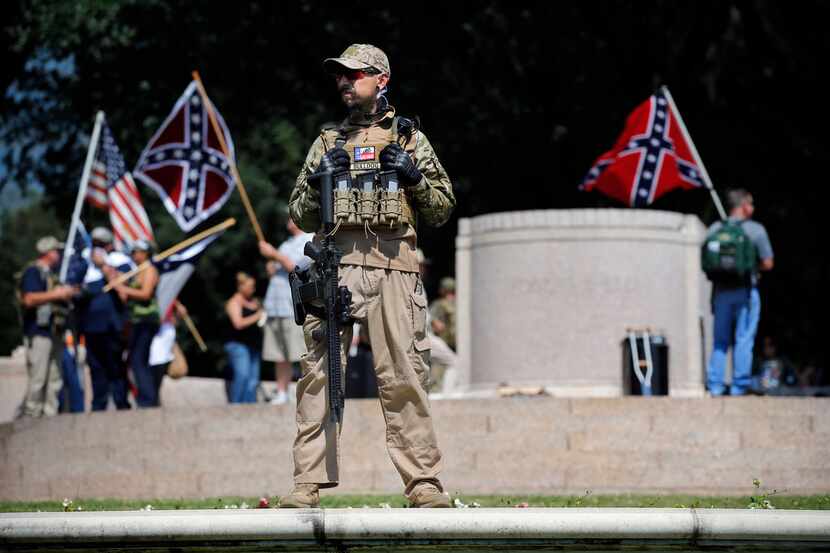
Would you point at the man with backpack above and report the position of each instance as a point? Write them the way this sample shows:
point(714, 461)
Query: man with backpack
point(734, 253)
point(40, 298)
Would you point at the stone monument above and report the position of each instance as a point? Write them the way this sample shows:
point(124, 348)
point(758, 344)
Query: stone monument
point(545, 298)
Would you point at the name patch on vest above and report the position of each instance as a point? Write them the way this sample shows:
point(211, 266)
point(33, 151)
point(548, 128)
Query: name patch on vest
point(366, 166)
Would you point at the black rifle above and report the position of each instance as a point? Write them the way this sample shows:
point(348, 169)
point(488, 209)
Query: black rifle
point(314, 290)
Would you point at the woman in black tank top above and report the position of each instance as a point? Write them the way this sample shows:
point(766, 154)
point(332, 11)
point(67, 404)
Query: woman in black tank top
point(243, 339)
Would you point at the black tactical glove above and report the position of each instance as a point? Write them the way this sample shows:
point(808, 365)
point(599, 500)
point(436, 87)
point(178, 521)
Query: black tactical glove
point(394, 158)
point(333, 161)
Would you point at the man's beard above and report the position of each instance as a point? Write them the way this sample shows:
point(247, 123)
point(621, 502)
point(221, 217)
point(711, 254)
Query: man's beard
point(359, 105)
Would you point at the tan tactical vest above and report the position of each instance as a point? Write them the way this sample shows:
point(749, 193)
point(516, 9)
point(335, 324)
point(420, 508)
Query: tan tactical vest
point(373, 198)
point(52, 313)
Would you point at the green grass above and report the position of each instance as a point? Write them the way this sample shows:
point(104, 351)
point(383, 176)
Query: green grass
point(342, 501)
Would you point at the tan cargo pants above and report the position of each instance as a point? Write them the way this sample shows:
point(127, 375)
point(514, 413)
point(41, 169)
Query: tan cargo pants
point(45, 378)
point(393, 306)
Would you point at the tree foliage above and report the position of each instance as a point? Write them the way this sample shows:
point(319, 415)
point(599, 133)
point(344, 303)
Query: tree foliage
point(19, 232)
point(517, 99)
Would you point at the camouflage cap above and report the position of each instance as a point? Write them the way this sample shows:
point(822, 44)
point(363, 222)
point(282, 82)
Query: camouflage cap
point(47, 244)
point(359, 56)
point(447, 284)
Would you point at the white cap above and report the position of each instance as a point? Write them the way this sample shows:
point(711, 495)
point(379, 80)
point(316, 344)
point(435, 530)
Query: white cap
point(102, 234)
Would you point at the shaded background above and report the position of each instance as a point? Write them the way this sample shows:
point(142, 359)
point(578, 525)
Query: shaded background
point(518, 100)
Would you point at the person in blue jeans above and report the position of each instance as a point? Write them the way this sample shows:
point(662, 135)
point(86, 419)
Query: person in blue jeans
point(243, 341)
point(72, 396)
point(737, 308)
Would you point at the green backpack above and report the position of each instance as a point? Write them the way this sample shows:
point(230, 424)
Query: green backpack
point(728, 256)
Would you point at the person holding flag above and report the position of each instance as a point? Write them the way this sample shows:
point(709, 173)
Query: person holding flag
point(108, 185)
point(736, 301)
point(151, 297)
point(102, 317)
point(143, 309)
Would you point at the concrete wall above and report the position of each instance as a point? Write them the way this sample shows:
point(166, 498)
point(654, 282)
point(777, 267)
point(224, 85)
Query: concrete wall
point(182, 392)
point(546, 297)
point(12, 383)
point(528, 445)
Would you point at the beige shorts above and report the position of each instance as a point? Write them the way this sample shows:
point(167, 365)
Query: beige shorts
point(284, 340)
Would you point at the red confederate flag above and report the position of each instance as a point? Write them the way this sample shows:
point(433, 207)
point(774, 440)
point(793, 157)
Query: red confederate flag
point(651, 157)
point(184, 162)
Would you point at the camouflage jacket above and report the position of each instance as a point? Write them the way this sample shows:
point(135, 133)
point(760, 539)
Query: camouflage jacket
point(443, 310)
point(432, 199)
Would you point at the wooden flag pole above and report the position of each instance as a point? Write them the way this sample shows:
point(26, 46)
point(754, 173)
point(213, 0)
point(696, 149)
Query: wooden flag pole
point(685, 133)
point(123, 277)
point(221, 135)
point(194, 331)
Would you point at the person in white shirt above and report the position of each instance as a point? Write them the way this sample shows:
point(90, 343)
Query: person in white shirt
point(284, 342)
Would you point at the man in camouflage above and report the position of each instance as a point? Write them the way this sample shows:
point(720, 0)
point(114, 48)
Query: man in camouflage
point(442, 312)
point(380, 268)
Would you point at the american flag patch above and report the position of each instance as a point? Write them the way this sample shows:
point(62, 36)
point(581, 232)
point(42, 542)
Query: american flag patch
point(364, 153)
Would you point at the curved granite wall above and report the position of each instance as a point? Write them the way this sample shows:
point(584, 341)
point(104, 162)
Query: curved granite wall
point(546, 297)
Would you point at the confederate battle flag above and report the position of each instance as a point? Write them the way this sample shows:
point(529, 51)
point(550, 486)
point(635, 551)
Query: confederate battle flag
point(651, 157)
point(184, 162)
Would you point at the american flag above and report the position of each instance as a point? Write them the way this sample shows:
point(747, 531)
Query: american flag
point(651, 157)
point(184, 162)
point(111, 187)
point(364, 153)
